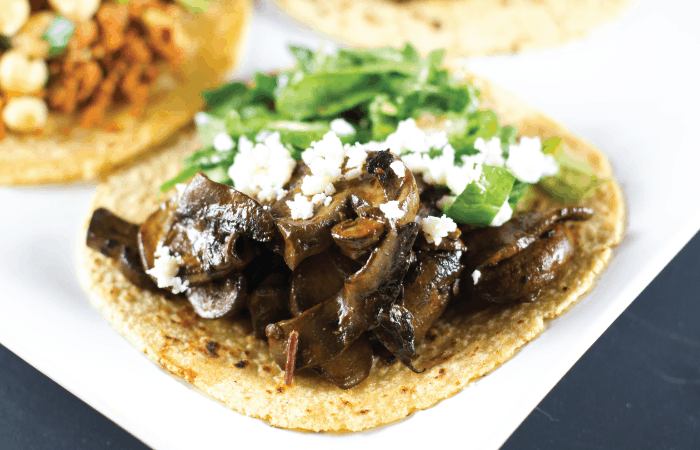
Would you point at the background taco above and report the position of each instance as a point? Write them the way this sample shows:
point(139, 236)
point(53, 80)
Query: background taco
point(122, 76)
point(225, 361)
point(462, 27)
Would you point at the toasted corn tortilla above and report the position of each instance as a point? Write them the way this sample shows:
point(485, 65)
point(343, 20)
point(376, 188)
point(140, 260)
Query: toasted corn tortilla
point(222, 359)
point(462, 27)
point(65, 152)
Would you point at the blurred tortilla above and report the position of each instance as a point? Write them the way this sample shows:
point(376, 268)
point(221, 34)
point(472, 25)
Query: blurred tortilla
point(222, 359)
point(65, 152)
point(462, 27)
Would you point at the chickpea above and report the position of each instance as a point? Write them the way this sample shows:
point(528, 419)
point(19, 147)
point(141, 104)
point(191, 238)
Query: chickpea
point(25, 114)
point(80, 10)
point(29, 40)
point(14, 14)
point(20, 74)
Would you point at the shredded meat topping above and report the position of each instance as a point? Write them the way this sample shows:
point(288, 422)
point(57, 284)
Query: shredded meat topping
point(112, 58)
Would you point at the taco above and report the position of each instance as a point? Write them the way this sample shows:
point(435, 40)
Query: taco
point(87, 86)
point(386, 243)
point(463, 27)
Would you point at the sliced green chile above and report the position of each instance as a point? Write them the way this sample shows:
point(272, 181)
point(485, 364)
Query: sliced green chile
point(330, 327)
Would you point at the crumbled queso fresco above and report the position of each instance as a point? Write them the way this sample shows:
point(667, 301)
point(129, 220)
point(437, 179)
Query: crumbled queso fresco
point(437, 228)
point(392, 210)
point(165, 268)
point(261, 170)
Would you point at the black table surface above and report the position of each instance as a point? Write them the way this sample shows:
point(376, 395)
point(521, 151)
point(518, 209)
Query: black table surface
point(637, 387)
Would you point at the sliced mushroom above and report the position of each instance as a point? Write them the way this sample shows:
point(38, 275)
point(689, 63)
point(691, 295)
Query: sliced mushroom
point(489, 245)
point(117, 239)
point(316, 279)
point(428, 288)
point(211, 226)
point(356, 237)
point(516, 260)
point(351, 367)
point(522, 276)
point(226, 295)
point(375, 186)
point(268, 303)
point(330, 327)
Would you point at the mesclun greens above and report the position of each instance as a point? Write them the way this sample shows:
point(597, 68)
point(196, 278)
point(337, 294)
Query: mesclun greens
point(373, 90)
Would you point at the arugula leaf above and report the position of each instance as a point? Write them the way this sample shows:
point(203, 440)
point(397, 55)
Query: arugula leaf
point(477, 206)
point(209, 128)
point(575, 180)
point(58, 34)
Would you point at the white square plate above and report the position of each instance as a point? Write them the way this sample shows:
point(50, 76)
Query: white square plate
point(631, 89)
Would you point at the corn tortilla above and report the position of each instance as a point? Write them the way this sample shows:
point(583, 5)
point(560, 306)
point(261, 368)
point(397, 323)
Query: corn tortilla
point(222, 359)
point(65, 152)
point(462, 27)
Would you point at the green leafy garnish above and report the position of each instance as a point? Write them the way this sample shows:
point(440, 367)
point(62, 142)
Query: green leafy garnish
point(481, 200)
point(575, 180)
point(58, 34)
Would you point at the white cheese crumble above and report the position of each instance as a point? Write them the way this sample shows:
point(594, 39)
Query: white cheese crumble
point(492, 151)
point(527, 162)
point(352, 174)
point(408, 137)
point(325, 160)
point(398, 168)
point(261, 170)
point(342, 128)
point(356, 156)
point(391, 210)
point(503, 216)
point(165, 268)
point(223, 142)
point(201, 118)
point(475, 276)
point(262, 135)
point(300, 207)
point(437, 228)
point(180, 187)
point(319, 198)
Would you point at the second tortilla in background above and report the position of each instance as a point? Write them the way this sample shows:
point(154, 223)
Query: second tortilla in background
point(462, 27)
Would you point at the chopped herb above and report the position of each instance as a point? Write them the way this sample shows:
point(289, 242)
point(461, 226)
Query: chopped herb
point(58, 34)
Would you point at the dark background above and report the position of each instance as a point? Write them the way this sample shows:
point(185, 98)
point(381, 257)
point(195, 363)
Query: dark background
point(638, 387)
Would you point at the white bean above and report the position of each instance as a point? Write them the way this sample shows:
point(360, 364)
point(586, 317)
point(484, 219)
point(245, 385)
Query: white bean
point(13, 14)
point(25, 114)
point(80, 10)
point(20, 74)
